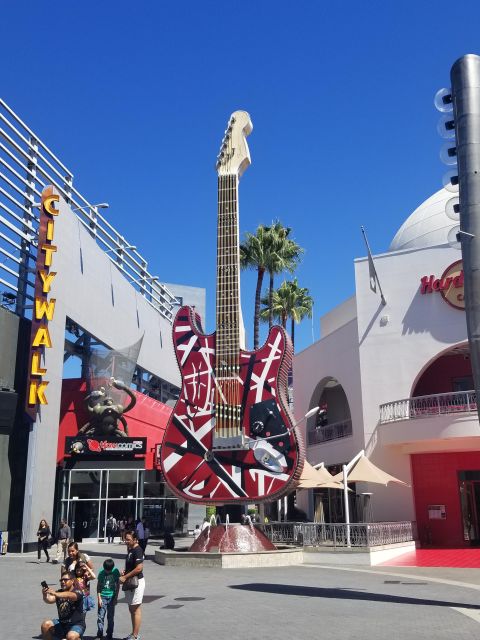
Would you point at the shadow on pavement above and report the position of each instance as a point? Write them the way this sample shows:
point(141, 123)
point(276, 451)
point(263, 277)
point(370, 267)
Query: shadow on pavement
point(345, 594)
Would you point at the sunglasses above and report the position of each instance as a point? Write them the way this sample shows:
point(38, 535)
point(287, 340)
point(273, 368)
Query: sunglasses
point(65, 579)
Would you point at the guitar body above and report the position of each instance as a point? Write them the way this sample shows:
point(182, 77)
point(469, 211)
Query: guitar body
point(197, 470)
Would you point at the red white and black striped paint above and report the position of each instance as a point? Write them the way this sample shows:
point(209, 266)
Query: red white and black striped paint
point(235, 475)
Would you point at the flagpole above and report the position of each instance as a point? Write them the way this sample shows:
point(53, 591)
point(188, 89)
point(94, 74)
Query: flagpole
point(372, 265)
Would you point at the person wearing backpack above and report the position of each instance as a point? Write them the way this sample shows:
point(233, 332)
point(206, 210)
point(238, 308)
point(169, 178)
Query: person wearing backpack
point(111, 528)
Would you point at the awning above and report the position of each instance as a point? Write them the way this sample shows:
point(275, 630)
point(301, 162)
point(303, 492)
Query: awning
point(366, 471)
point(312, 478)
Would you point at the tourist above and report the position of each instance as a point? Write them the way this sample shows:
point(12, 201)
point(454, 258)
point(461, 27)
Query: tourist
point(196, 531)
point(133, 594)
point(107, 589)
point(70, 623)
point(63, 538)
point(74, 556)
point(43, 539)
point(83, 576)
point(140, 529)
point(121, 529)
point(111, 529)
point(146, 536)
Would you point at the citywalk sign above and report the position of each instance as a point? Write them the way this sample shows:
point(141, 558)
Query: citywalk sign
point(449, 285)
point(43, 305)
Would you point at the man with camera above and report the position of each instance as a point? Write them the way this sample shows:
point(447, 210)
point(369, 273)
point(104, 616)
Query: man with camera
point(70, 623)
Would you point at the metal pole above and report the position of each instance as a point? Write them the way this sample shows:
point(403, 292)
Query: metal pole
point(345, 501)
point(465, 79)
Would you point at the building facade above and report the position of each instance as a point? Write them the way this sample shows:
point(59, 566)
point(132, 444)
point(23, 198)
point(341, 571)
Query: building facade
point(397, 382)
point(72, 283)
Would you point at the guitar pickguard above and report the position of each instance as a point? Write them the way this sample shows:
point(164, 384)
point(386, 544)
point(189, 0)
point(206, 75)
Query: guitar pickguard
point(193, 469)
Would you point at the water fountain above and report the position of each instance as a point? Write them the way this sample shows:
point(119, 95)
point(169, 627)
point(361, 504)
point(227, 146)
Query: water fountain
point(231, 538)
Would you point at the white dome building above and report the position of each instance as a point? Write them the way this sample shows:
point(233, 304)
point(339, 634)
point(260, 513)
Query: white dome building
point(427, 226)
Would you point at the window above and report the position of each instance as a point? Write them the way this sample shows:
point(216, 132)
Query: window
point(463, 384)
point(85, 485)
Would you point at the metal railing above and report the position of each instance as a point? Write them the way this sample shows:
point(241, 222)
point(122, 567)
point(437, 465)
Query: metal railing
point(328, 432)
point(27, 166)
point(426, 406)
point(312, 534)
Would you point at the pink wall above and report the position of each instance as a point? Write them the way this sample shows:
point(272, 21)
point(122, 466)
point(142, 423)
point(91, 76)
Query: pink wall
point(435, 481)
point(147, 419)
point(438, 378)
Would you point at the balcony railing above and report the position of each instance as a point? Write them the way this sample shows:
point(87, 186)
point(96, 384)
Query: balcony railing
point(330, 432)
point(27, 166)
point(427, 406)
point(368, 534)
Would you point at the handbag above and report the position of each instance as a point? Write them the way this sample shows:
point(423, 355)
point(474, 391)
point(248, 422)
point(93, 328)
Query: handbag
point(130, 584)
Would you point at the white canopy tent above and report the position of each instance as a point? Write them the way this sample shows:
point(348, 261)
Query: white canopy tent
point(316, 477)
point(360, 469)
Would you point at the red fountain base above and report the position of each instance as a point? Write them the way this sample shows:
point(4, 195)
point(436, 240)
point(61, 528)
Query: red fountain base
point(232, 538)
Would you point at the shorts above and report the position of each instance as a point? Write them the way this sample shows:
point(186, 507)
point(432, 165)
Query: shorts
point(136, 596)
point(61, 629)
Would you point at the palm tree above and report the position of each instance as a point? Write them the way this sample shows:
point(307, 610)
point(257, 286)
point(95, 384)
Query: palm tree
point(284, 255)
point(269, 249)
point(288, 301)
point(254, 255)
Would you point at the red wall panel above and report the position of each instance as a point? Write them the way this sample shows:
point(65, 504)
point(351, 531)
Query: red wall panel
point(147, 419)
point(439, 376)
point(435, 481)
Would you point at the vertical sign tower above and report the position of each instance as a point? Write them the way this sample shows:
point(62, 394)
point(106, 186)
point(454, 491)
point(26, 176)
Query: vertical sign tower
point(465, 79)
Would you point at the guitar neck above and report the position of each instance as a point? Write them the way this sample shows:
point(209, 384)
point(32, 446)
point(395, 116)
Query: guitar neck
point(229, 322)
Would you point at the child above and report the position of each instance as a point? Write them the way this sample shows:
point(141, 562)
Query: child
point(83, 575)
point(107, 590)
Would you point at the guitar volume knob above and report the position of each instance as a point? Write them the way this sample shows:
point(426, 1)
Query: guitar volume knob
point(257, 427)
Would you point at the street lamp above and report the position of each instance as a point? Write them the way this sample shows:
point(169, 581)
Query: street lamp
point(100, 205)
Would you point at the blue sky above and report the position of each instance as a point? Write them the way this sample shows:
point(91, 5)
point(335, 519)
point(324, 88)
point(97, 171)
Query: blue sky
point(134, 98)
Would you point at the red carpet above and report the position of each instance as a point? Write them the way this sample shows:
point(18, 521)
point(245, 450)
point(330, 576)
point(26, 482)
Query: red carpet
point(465, 558)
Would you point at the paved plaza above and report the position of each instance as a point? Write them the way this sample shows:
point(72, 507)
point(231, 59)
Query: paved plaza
point(300, 602)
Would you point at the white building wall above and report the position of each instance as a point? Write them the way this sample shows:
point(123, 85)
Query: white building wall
point(90, 290)
point(396, 343)
point(335, 356)
point(377, 357)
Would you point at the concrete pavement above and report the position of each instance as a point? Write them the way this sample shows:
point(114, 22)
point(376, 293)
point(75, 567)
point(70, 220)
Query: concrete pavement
point(298, 602)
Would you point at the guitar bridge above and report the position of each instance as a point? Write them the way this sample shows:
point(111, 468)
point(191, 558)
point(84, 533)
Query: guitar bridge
point(228, 443)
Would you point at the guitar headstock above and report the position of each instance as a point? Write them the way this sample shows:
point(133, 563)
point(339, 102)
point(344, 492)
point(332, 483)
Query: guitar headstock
point(234, 156)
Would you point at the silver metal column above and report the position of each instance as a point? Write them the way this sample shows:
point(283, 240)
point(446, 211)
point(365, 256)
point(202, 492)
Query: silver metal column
point(465, 79)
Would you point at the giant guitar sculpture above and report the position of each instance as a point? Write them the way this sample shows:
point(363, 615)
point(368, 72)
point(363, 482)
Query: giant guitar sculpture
point(230, 437)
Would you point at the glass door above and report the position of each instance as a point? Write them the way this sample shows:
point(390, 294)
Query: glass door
point(470, 502)
point(84, 519)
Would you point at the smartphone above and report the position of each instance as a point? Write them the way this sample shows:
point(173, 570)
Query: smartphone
point(44, 584)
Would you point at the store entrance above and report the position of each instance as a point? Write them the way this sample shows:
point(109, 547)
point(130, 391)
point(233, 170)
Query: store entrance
point(470, 501)
point(122, 510)
point(84, 519)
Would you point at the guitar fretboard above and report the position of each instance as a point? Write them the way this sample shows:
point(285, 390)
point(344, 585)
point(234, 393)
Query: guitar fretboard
point(227, 349)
